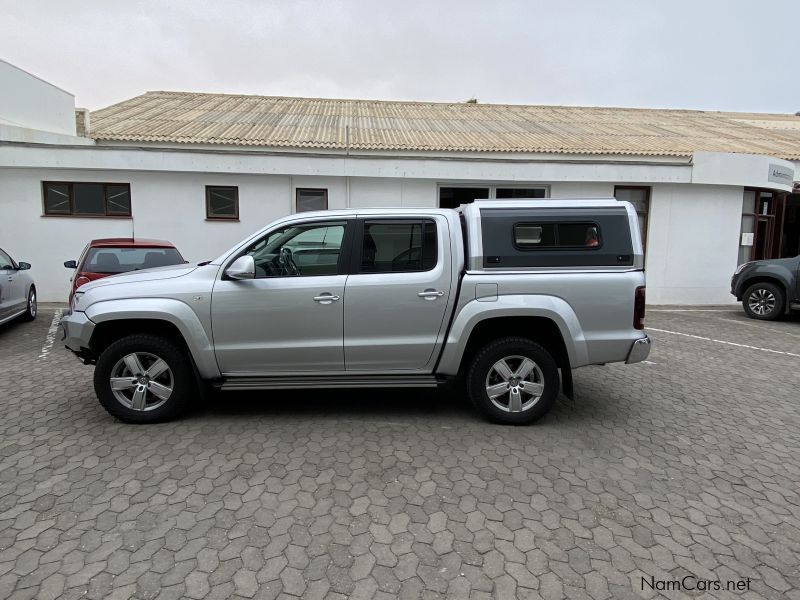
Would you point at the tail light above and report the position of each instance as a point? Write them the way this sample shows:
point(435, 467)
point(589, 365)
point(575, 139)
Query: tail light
point(638, 308)
point(81, 280)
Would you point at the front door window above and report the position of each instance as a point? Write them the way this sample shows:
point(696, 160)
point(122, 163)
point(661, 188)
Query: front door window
point(299, 251)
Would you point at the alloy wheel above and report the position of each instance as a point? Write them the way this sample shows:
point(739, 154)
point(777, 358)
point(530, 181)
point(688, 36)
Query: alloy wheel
point(32, 304)
point(761, 301)
point(142, 381)
point(515, 383)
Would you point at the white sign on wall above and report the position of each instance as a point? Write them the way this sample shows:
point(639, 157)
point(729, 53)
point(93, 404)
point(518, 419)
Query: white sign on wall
point(779, 174)
point(747, 239)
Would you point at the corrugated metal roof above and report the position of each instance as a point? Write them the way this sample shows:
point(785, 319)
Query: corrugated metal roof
point(318, 123)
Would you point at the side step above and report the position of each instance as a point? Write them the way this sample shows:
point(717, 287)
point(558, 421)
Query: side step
point(795, 305)
point(329, 382)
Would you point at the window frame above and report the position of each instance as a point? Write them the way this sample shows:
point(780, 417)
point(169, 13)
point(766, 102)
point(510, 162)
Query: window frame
point(209, 216)
point(71, 195)
point(297, 192)
point(556, 247)
point(358, 243)
point(492, 188)
point(648, 195)
point(345, 251)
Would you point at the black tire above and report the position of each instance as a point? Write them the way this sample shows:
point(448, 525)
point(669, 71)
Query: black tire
point(146, 347)
point(482, 371)
point(764, 301)
point(32, 309)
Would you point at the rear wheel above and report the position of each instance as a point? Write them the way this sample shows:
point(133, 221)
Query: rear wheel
point(32, 307)
point(513, 380)
point(764, 301)
point(143, 379)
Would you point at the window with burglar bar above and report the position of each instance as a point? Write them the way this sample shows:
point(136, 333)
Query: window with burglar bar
point(86, 199)
point(222, 202)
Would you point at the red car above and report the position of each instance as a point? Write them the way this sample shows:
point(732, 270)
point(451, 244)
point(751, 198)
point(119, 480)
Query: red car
point(110, 256)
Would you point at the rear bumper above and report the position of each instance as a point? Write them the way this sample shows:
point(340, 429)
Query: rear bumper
point(76, 331)
point(639, 351)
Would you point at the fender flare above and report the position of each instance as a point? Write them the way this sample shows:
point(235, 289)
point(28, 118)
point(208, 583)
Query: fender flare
point(778, 273)
point(163, 309)
point(527, 305)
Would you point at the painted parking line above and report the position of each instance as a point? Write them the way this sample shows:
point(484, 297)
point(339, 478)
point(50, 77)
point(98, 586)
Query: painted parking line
point(760, 326)
point(708, 339)
point(50, 338)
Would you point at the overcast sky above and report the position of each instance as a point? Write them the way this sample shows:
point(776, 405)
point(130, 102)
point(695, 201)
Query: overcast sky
point(719, 55)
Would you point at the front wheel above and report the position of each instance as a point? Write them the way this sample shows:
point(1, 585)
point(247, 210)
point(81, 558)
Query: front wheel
point(513, 380)
point(143, 379)
point(31, 308)
point(764, 301)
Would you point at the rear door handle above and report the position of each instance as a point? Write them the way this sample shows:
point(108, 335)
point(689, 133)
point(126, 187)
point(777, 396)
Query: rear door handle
point(430, 294)
point(326, 298)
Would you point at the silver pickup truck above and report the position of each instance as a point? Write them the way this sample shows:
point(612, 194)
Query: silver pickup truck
point(503, 297)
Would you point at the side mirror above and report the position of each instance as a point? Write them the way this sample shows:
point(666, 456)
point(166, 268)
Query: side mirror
point(243, 267)
point(23, 266)
point(70, 264)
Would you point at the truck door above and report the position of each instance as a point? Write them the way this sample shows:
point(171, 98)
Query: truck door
point(290, 317)
point(397, 293)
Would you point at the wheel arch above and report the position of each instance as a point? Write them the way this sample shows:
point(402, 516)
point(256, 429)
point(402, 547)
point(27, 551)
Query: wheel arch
point(547, 320)
point(541, 330)
point(168, 318)
point(106, 333)
point(762, 278)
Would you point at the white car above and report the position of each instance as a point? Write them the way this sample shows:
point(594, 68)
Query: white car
point(17, 290)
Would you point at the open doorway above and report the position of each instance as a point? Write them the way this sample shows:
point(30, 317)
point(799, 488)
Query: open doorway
point(790, 234)
point(762, 238)
point(770, 225)
point(453, 197)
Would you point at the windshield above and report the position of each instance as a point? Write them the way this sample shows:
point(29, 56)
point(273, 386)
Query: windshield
point(110, 261)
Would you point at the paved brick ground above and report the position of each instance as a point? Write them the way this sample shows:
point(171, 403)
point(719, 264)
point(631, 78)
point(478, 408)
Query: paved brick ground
point(687, 465)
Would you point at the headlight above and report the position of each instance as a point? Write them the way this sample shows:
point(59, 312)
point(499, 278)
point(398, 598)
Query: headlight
point(76, 301)
point(741, 267)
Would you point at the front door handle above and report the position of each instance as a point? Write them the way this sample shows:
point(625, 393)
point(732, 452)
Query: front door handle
point(430, 294)
point(326, 298)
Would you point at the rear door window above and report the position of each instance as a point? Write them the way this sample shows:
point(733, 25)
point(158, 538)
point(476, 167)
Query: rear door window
point(398, 246)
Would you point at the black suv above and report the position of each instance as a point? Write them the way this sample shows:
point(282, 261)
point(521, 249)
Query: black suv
point(768, 289)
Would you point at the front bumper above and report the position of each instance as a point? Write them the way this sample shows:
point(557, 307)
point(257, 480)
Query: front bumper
point(76, 331)
point(639, 351)
point(734, 292)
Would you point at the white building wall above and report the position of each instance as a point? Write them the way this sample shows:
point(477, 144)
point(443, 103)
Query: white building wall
point(169, 206)
point(378, 192)
point(34, 103)
point(693, 242)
